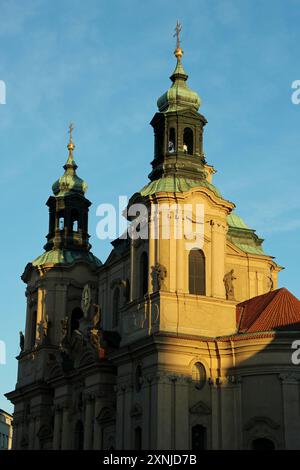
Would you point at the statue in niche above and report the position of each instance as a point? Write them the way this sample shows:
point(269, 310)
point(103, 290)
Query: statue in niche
point(228, 283)
point(64, 331)
point(22, 341)
point(159, 274)
point(43, 328)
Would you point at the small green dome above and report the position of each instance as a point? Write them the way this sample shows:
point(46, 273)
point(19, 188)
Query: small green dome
point(69, 182)
point(179, 96)
point(65, 257)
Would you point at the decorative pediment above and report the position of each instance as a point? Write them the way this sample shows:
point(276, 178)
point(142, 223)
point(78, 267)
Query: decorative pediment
point(106, 415)
point(200, 408)
point(261, 421)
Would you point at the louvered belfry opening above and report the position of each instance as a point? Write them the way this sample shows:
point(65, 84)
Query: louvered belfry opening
point(196, 272)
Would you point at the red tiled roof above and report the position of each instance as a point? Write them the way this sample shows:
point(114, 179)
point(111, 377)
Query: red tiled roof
point(276, 310)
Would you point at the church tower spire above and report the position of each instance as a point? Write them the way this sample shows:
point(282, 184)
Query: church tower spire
point(68, 208)
point(178, 127)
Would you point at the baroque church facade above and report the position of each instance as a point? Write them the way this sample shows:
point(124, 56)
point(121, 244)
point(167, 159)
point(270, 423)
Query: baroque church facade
point(172, 343)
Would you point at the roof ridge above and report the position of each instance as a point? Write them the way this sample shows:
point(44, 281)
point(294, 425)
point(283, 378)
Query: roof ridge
point(275, 291)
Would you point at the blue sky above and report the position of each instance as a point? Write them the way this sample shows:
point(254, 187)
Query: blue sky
point(103, 64)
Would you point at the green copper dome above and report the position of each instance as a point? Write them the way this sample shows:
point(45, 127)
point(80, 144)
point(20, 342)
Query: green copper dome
point(176, 184)
point(69, 183)
point(179, 96)
point(66, 257)
point(242, 236)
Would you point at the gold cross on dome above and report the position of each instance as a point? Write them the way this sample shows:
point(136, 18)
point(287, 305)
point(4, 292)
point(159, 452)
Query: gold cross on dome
point(71, 128)
point(178, 29)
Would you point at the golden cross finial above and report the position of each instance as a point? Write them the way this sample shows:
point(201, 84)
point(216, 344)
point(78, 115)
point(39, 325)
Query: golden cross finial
point(71, 144)
point(71, 128)
point(178, 29)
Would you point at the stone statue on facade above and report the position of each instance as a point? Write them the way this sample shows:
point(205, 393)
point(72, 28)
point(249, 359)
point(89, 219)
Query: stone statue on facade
point(94, 333)
point(159, 274)
point(228, 283)
point(43, 328)
point(271, 281)
point(22, 341)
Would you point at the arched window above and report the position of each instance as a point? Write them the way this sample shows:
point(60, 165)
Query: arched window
point(116, 307)
point(77, 314)
point(196, 272)
point(198, 437)
point(60, 220)
point(33, 329)
point(79, 436)
point(171, 143)
point(74, 220)
point(188, 141)
point(199, 375)
point(138, 438)
point(143, 274)
point(262, 443)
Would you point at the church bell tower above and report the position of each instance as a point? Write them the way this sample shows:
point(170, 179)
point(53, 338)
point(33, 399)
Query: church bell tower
point(61, 318)
point(68, 209)
point(178, 128)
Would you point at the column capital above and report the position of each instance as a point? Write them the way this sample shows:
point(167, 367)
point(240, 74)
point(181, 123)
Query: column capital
point(291, 378)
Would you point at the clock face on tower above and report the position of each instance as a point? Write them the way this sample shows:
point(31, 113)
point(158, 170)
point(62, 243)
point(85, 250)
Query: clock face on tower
point(86, 299)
